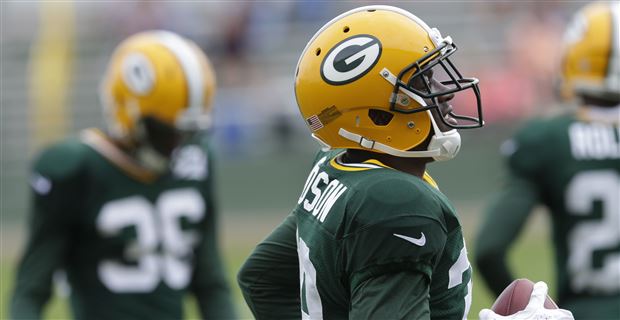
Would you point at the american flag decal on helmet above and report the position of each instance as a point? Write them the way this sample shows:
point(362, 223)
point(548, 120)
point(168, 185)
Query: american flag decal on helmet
point(314, 123)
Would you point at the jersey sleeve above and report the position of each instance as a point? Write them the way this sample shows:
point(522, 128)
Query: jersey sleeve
point(209, 283)
point(404, 243)
point(55, 188)
point(375, 298)
point(526, 153)
point(451, 286)
point(395, 226)
point(269, 278)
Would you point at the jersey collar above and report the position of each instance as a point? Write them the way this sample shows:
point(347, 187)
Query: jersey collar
point(370, 164)
point(599, 114)
point(102, 144)
point(428, 179)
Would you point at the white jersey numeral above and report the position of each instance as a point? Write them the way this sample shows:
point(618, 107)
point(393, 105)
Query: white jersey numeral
point(155, 225)
point(307, 281)
point(589, 236)
point(455, 276)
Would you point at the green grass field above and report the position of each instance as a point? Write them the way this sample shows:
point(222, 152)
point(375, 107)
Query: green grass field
point(531, 258)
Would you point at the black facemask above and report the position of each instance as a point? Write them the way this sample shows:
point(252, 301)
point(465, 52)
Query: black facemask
point(162, 137)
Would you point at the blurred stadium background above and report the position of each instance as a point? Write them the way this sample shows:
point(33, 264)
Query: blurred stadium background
point(53, 54)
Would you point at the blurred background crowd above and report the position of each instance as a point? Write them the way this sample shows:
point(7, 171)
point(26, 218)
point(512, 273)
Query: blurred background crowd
point(54, 53)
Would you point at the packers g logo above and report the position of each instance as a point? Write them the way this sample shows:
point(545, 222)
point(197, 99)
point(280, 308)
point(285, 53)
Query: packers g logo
point(350, 59)
point(138, 73)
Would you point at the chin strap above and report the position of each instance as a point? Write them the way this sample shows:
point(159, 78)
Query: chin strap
point(442, 147)
point(374, 145)
point(448, 143)
point(324, 146)
point(151, 159)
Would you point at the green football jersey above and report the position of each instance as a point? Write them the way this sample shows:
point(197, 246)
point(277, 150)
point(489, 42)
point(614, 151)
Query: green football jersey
point(374, 242)
point(572, 166)
point(132, 243)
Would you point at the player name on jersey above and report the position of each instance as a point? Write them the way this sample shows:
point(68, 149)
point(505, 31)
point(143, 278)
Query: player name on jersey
point(324, 192)
point(594, 141)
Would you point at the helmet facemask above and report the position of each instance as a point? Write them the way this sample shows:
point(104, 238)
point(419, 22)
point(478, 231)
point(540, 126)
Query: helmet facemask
point(155, 142)
point(415, 83)
point(453, 81)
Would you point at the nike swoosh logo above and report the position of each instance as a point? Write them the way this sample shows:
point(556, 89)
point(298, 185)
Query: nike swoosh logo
point(421, 241)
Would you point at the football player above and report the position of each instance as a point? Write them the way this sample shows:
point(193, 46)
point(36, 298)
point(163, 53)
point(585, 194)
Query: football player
point(570, 163)
point(129, 213)
point(371, 237)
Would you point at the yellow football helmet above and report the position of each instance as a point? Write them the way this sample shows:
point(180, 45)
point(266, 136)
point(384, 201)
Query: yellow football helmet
point(156, 86)
point(355, 84)
point(161, 75)
point(591, 54)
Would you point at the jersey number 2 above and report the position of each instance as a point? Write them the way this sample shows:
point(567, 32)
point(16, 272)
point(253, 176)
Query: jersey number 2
point(593, 237)
point(155, 225)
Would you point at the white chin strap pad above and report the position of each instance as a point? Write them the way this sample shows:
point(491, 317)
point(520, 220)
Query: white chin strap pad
point(151, 159)
point(448, 143)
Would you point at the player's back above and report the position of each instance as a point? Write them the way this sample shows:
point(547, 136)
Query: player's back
point(575, 162)
point(360, 221)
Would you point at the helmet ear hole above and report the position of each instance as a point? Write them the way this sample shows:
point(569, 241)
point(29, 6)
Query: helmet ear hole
point(380, 117)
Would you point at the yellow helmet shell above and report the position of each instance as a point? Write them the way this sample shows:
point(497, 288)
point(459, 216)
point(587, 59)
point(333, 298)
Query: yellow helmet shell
point(591, 54)
point(161, 75)
point(332, 96)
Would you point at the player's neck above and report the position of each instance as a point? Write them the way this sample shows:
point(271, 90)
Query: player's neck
point(413, 166)
point(122, 145)
point(125, 146)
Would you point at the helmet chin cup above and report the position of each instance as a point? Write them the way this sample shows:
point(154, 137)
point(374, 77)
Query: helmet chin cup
point(152, 160)
point(448, 144)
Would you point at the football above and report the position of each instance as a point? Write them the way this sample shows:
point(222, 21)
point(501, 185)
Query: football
point(516, 297)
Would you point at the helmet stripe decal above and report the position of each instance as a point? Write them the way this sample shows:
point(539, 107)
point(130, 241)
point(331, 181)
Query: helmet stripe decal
point(613, 64)
point(433, 33)
point(191, 66)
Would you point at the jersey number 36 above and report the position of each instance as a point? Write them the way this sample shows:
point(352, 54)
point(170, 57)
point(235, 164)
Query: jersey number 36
point(156, 225)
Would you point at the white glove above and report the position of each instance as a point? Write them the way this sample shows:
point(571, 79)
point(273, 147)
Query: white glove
point(535, 309)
